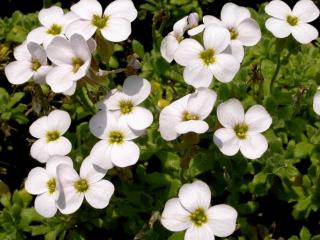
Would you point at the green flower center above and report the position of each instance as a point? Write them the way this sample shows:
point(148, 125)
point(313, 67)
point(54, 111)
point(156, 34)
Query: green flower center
point(179, 38)
point(241, 130)
point(35, 65)
point(125, 106)
point(77, 63)
point(186, 116)
point(52, 136)
point(51, 185)
point(292, 20)
point(198, 217)
point(116, 137)
point(233, 33)
point(55, 29)
point(207, 56)
point(100, 22)
point(81, 185)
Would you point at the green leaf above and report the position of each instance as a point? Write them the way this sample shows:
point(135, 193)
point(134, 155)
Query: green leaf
point(177, 236)
point(303, 149)
point(138, 48)
point(304, 234)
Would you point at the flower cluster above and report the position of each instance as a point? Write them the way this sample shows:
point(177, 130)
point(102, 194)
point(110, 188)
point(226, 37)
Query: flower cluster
point(65, 39)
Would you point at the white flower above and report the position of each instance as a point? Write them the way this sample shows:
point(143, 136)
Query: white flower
point(31, 62)
point(54, 23)
point(72, 59)
point(284, 22)
point(171, 42)
point(191, 211)
point(316, 103)
point(49, 130)
point(116, 146)
point(244, 31)
point(42, 182)
point(242, 131)
point(124, 104)
point(187, 114)
point(202, 63)
point(114, 23)
point(89, 185)
point(193, 24)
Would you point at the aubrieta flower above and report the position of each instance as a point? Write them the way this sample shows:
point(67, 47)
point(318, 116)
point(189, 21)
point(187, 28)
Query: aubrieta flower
point(242, 131)
point(187, 114)
point(284, 22)
point(191, 211)
point(114, 23)
point(31, 63)
point(116, 146)
point(72, 59)
point(54, 23)
point(73, 188)
point(202, 63)
point(43, 183)
point(125, 104)
point(316, 103)
point(244, 31)
point(171, 42)
point(49, 130)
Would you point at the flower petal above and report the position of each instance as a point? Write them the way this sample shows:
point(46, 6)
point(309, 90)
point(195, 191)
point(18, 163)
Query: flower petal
point(197, 126)
point(117, 29)
point(99, 194)
point(90, 172)
point(36, 182)
point(37, 35)
point(225, 68)
point(230, 113)
point(174, 217)
point(306, 11)
point(80, 47)
point(54, 161)
point(101, 155)
point(169, 46)
point(18, 72)
point(60, 79)
point(237, 50)
point(278, 27)
point(180, 26)
point(208, 20)
point(39, 127)
point(98, 124)
point(232, 14)
point(278, 9)
point(188, 52)
point(198, 75)
point(83, 27)
point(217, 38)
point(45, 205)
point(304, 33)
point(125, 154)
point(59, 120)
point(21, 52)
point(60, 51)
point(86, 9)
point(196, 30)
point(195, 195)
point(201, 102)
point(39, 150)
point(316, 103)
point(40, 75)
point(140, 118)
point(61, 146)
point(258, 119)
point(122, 9)
point(222, 220)
point(254, 146)
point(137, 88)
point(249, 33)
point(50, 16)
point(227, 141)
point(199, 233)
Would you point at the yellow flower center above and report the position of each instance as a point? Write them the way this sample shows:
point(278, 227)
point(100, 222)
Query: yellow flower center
point(207, 56)
point(35, 65)
point(186, 116)
point(55, 29)
point(125, 106)
point(292, 20)
point(51, 185)
point(233, 33)
point(116, 137)
point(100, 22)
point(81, 185)
point(77, 63)
point(52, 135)
point(198, 217)
point(241, 130)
